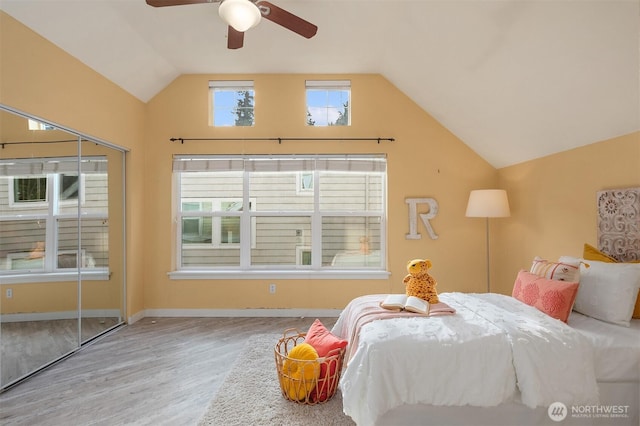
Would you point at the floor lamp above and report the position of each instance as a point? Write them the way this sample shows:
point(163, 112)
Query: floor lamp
point(488, 203)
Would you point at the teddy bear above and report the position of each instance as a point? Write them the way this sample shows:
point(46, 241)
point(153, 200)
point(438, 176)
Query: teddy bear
point(419, 282)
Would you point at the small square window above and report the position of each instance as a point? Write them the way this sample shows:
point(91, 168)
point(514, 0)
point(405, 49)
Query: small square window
point(305, 182)
point(328, 103)
point(303, 255)
point(36, 125)
point(29, 189)
point(69, 185)
point(232, 103)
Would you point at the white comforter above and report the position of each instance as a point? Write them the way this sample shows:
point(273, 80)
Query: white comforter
point(491, 348)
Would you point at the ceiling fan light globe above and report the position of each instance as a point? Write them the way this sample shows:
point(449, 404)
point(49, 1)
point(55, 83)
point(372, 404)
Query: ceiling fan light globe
point(240, 14)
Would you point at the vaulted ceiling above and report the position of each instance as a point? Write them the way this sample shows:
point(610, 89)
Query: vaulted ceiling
point(513, 79)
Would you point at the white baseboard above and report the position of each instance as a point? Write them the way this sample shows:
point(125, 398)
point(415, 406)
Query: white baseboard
point(135, 317)
point(257, 313)
point(60, 315)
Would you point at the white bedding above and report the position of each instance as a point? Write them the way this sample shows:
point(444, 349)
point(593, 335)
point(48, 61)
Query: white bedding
point(617, 348)
point(493, 347)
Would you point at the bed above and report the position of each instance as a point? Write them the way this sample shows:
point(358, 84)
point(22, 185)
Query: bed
point(495, 361)
point(564, 348)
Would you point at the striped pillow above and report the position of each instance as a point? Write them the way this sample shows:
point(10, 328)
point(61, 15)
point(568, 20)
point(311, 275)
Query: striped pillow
point(559, 271)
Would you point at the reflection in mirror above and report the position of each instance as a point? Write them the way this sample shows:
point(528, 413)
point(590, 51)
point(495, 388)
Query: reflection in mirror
point(101, 226)
point(60, 285)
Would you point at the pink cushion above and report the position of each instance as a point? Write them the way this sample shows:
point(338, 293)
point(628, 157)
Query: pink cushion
point(324, 342)
point(554, 298)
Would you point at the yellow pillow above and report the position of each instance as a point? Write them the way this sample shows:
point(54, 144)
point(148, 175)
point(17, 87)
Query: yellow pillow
point(592, 253)
point(300, 377)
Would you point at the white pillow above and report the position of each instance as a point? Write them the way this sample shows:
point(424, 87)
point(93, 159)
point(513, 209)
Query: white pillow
point(608, 291)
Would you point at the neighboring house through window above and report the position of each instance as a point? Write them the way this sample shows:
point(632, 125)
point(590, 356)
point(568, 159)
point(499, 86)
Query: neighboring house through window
point(308, 212)
point(40, 201)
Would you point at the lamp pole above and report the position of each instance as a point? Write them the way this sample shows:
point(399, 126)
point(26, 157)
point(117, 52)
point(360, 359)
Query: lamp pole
point(488, 263)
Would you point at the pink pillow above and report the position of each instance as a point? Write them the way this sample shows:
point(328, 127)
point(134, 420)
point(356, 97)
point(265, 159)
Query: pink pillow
point(554, 298)
point(323, 341)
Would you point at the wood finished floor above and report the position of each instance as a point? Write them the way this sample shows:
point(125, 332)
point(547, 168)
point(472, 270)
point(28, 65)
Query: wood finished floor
point(158, 371)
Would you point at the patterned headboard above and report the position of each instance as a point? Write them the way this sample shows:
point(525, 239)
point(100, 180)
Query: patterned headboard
point(619, 223)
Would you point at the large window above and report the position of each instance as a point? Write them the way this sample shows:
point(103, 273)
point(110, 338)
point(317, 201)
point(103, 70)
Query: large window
point(232, 102)
point(39, 205)
point(245, 213)
point(328, 103)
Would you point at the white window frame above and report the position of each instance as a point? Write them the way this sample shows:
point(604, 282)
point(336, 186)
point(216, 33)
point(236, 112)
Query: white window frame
point(12, 257)
point(229, 86)
point(300, 187)
point(52, 179)
point(328, 86)
point(13, 203)
point(300, 251)
point(37, 125)
point(247, 271)
point(216, 226)
point(50, 270)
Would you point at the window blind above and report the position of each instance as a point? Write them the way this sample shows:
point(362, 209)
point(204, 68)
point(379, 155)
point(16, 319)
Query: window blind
point(372, 163)
point(328, 84)
point(42, 166)
point(239, 85)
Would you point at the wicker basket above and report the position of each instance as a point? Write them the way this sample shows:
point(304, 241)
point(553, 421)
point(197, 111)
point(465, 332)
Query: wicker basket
point(295, 387)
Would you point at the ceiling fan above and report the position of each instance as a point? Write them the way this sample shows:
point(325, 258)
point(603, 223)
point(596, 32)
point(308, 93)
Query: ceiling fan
point(241, 15)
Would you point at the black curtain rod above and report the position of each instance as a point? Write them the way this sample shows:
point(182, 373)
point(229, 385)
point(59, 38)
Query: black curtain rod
point(182, 140)
point(2, 144)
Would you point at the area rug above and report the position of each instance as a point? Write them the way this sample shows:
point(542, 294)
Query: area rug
point(250, 394)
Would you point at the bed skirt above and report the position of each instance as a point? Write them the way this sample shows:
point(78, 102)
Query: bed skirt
point(619, 406)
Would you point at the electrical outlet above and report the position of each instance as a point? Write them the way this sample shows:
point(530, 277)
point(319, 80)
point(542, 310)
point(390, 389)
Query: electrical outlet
point(272, 288)
point(9, 293)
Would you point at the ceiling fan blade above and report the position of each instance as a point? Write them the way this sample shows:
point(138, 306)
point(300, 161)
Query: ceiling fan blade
point(287, 19)
point(235, 38)
point(162, 3)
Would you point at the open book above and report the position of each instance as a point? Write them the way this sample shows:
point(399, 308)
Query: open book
point(402, 302)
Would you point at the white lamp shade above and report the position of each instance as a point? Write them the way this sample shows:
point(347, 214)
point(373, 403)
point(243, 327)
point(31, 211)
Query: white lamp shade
point(240, 14)
point(488, 203)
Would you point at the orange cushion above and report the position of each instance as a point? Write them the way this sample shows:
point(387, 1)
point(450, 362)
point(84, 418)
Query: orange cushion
point(322, 340)
point(592, 253)
point(554, 298)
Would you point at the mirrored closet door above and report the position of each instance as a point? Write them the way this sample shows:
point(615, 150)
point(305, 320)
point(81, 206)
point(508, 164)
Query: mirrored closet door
point(62, 239)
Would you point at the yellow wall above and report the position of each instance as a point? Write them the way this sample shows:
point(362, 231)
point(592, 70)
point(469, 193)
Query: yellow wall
point(552, 199)
point(425, 160)
point(553, 202)
point(38, 78)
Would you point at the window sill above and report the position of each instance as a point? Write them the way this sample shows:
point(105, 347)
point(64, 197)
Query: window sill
point(361, 274)
point(54, 277)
